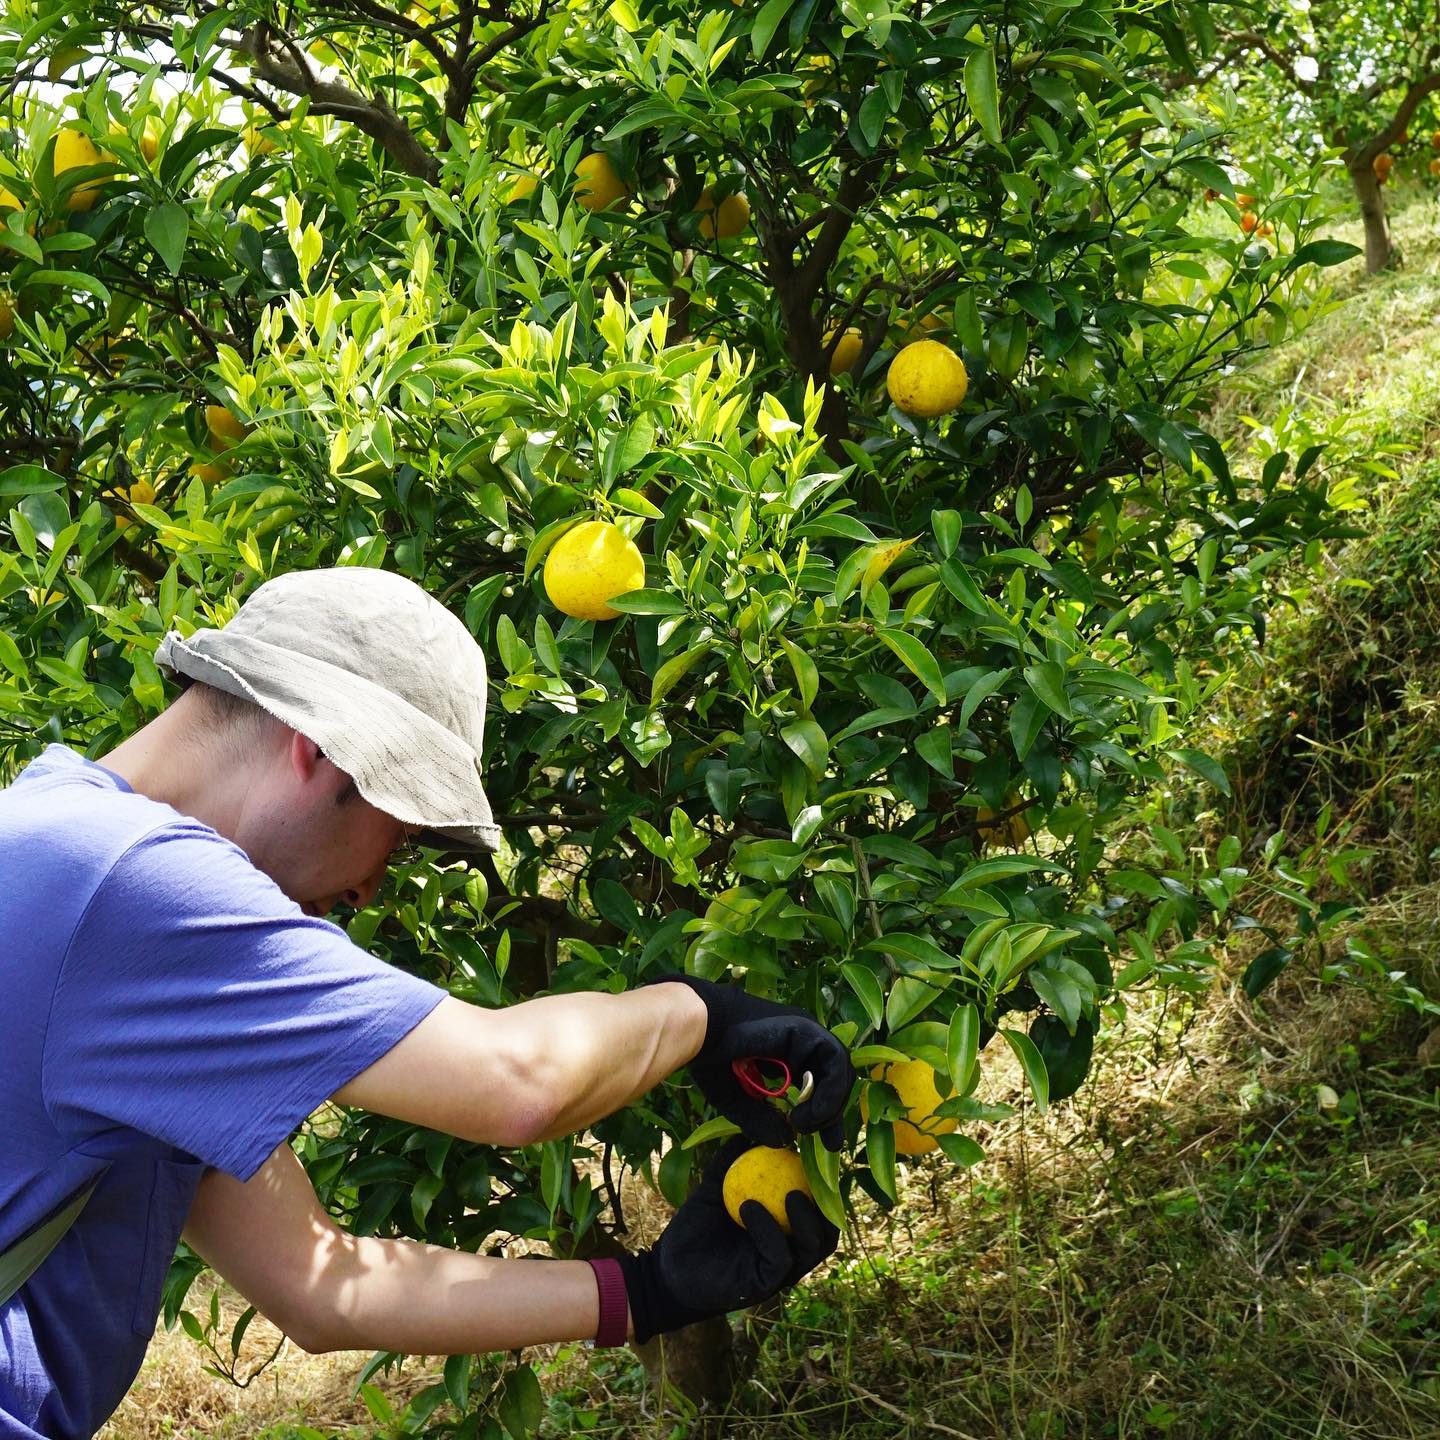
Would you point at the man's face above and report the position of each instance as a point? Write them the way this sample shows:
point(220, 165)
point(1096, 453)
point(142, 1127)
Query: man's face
point(316, 836)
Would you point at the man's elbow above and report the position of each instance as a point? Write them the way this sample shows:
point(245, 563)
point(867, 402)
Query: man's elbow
point(535, 1099)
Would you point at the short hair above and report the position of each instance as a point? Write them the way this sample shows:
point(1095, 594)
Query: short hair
point(231, 723)
point(235, 727)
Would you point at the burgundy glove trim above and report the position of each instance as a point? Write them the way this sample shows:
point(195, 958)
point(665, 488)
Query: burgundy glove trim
point(614, 1304)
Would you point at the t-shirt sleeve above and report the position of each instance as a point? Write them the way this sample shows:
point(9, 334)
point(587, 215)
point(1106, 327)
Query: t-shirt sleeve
point(199, 1005)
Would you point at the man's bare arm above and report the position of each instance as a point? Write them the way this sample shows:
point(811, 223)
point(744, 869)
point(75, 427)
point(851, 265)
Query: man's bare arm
point(546, 1067)
point(329, 1290)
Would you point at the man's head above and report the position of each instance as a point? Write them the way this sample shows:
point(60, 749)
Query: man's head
point(339, 713)
point(299, 818)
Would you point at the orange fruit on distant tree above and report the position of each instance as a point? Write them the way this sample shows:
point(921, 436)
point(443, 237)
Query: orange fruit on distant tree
point(1383, 163)
point(1248, 221)
point(1435, 166)
point(1435, 141)
point(1245, 200)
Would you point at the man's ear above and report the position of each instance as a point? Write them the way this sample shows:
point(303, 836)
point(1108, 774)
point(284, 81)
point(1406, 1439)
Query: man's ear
point(304, 756)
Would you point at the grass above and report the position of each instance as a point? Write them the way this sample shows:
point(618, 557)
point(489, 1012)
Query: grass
point(1201, 1244)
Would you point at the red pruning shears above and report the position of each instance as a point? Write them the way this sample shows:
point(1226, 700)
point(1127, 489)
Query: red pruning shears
point(767, 1078)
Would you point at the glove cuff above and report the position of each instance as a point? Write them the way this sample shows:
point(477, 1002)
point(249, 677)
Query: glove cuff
point(614, 1309)
point(712, 996)
point(654, 1308)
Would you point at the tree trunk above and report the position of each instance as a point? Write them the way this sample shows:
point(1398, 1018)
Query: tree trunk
point(1379, 253)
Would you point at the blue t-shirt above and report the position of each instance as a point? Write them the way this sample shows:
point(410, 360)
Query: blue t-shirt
point(165, 1008)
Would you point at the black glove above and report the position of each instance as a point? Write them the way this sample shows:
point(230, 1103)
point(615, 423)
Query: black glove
point(705, 1264)
point(741, 1026)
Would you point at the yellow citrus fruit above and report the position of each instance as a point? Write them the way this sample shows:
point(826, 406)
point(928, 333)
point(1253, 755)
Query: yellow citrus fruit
point(142, 492)
point(588, 566)
point(74, 151)
point(208, 472)
point(728, 221)
point(149, 144)
point(1014, 828)
point(927, 379)
point(846, 352)
point(914, 1082)
point(7, 317)
point(597, 186)
point(522, 188)
point(225, 427)
point(257, 144)
point(926, 325)
point(9, 200)
point(768, 1174)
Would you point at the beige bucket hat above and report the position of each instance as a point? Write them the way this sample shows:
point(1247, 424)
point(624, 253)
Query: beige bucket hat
point(380, 675)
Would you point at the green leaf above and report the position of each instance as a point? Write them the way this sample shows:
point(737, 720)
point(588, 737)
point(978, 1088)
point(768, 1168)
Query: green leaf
point(1032, 1065)
point(962, 1046)
point(961, 1150)
point(988, 871)
point(29, 480)
point(982, 90)
point(916, 658)
point(1324, 252)
point(522, 1406)
point(807, 677)
point(808, 741)
point(822, 1170)
point(648, 602)
point(767, 22)
point(71, 280)
point(167, 227)
point(867, 990)
point(628, 448)
point(674, 670)
point(709, 1130)
point(1202, 765)
point(880, 1154)
point(1047, 680)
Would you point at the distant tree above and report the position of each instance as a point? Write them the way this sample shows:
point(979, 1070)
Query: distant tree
point(1353, 77)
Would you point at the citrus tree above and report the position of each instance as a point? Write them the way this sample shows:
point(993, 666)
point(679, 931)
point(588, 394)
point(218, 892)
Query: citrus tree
point(803, 404)
point(1355, 80)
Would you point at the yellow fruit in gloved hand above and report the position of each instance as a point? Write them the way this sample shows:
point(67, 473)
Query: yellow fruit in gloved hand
point(767, 1174)
point(225, 427)
point(846, 352)
point(927, 379)
point(597, 186)
point(914, 1082)
point(74, 151)
point(588, 566)
point(728, 221)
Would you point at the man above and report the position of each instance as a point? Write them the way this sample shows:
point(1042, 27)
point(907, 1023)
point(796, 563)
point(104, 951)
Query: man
point(176, 1004)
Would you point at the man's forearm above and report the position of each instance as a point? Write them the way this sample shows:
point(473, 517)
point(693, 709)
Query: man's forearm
point(603, 1051)
point(426, 1300)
